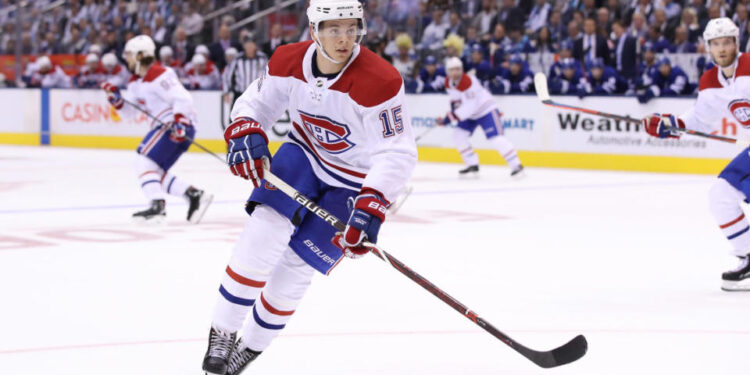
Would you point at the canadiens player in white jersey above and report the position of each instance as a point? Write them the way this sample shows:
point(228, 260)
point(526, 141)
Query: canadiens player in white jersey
point(351, 149)
point(157, 90)
point(472, 105)
point(724, 91)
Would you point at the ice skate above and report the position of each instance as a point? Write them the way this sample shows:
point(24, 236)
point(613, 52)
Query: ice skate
point(220, 348)
point(518, 173)
point(471, 171)
point(240, 359)
point(198, 202)
point(737, 279)
point(154, 214)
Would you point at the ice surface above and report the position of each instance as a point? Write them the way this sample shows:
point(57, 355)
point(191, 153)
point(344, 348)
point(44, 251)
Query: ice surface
point(631, 260)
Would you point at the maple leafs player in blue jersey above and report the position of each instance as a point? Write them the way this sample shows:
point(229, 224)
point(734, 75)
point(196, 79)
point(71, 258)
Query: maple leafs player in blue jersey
point(351, 149)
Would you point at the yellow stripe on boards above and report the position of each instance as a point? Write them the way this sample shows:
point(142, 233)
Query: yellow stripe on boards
point(31, 139)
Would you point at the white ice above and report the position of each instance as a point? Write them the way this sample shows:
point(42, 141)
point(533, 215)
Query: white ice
point(631, 260)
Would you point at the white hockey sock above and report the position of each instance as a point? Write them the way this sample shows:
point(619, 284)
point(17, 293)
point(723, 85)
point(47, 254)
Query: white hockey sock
point(506, 150)
point(149, 176)
point(461, 140)
point(173, 185)
point(277, 303)
point(724, 201)
point(258, 250)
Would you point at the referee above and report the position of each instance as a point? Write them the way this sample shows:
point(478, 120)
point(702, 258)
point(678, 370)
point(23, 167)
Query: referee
point(243, 70)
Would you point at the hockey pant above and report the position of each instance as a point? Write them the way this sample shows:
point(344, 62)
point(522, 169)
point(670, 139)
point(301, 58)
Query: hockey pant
point(492, 127)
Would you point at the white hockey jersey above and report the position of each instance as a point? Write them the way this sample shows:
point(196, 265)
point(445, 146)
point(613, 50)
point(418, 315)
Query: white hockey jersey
point(119, 76)
point(208, 80)
point(354, 128)
point(53, 78)
point(160, 93)
point(469, 99)
point(719, 97)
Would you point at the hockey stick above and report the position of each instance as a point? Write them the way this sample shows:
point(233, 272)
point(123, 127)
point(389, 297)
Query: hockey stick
point(161, 123)
point(542, 91)
point(571, 351)
point(417, 138)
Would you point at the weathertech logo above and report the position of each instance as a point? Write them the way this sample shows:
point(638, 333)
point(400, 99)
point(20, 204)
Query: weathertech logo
point(329, 134)
point(740, 109)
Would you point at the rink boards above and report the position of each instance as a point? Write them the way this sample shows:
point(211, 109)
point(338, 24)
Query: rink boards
point(545, 136)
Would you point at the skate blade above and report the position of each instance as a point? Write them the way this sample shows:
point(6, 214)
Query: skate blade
point(519, 176)
point(206, 200)
point(154, 220)
point(736, 286)
point(469, 176)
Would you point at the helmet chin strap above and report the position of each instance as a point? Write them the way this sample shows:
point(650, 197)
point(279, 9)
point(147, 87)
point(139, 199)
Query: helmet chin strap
point(322, 50)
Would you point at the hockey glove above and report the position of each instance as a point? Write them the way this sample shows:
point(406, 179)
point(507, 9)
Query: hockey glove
point(247, 146)
point(113, 94)
point(179, 128)
point(368, 213)
point(657, 125)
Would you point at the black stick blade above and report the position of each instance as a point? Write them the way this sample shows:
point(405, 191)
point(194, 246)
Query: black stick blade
point(570, 352)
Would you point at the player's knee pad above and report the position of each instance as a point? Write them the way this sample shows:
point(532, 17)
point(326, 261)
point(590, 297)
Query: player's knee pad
point(263, 241)
point(723, 198)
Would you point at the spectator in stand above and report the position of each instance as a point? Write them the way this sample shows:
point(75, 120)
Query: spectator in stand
point(499, 43)
point(192, 23)
point(478, 65)
point(666, 27)
point(431, 77)
point(50, 44)
point(644, 7)
point(672, 9)
point(115, 73)
point(91, 74)
point(455, 26)
point(701, 64)
point(591, 45)
point(667, 82)
point(538, 16)
point(183, 50)
point(744, 42)
point(638, 27)
point(519, 43)
point(160, 31)
point(543, 43)
point(434, 33)
point(471, 36)
point(44, 74)
point(740, 18)
point(216, 49)
point(275, 39)
point(454, 46)
point(556, 27)
point(404, 61)
point(511, 16)
point(604, 26)
point(660, 43)
point(625, 50)
point(485, 18)
point(616, 11)
point(202, 76)
point(574, 31)
point(681, 42)
point(166, 58)
point(570, 79)
point(76, 44)
point(690, 21)
point(601, 80)
point(378, 46)
point(243, 71)
point(516, 79)
point(566, 51)
point(589, 9)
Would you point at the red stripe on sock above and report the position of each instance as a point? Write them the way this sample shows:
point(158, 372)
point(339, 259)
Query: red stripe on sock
point(244, 280)
point(735, 221)
point(466, 150)
point(147, 172)
point(272, 310)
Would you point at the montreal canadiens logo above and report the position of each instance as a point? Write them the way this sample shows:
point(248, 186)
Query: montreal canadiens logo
point(331, 135)
point(740, 109)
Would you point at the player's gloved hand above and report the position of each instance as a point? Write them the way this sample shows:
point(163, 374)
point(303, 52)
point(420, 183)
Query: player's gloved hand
point(368, 213)
point(646, 96)
point(248, 149)
point(656, 125)
point(179, 128)
point(449, 118)
point(113, 94)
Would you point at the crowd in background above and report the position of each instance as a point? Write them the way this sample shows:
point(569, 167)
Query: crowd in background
point(596, 46)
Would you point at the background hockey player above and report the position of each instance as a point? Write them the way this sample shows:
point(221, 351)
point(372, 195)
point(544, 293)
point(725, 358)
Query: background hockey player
point(202, 76)
point(478, 65)
point(351, 143)
point(114, 73)
point(158, 91)
point(432, 76)
point(570, 79)
point(601, 80)
point(472, 105)
point(723, 93)
point(46, 75)
point(91, 73)
point(667, 81)
point(515, 79)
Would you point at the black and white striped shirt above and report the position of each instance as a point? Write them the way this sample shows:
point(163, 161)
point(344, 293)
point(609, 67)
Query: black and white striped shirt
point(242, 71)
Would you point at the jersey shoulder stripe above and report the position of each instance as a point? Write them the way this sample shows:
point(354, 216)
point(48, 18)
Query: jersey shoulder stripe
point(743, 65)
point(286, 61)
point(369, 80)
point(463, 84)
point(154, 72)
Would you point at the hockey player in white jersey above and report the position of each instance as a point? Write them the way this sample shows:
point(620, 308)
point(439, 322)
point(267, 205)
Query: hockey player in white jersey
point(723, 92)
point(351, 149)
point(157, 90)
point(472, 105)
